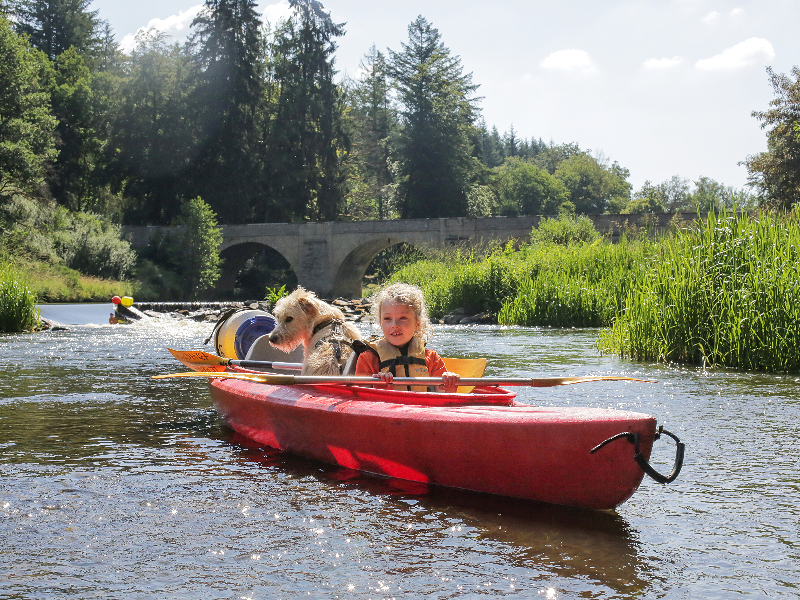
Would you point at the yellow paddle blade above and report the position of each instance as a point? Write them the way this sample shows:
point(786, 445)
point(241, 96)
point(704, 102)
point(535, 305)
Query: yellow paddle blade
point(197, 360)
point(466, 367)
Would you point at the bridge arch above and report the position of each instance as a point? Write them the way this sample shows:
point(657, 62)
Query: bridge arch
point(350, 274)
point(236, 256)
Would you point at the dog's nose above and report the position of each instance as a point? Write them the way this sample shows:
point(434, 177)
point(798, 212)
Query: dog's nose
point(273, 337)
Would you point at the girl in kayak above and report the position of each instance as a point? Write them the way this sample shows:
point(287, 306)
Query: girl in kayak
point(401, 312)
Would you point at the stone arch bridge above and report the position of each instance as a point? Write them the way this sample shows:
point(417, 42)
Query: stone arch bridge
point(331, 258)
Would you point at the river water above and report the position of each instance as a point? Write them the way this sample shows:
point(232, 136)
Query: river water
point(113, 485)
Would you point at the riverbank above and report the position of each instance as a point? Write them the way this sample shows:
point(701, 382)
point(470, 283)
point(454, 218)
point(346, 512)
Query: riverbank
point(60, 284)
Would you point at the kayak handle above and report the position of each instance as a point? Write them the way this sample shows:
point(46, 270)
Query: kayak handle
point(633, 438)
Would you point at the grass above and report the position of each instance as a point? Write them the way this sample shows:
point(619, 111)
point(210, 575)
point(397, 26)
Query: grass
point(726, 293)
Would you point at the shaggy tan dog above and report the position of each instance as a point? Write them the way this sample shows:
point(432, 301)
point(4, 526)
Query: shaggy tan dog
point(305, 319)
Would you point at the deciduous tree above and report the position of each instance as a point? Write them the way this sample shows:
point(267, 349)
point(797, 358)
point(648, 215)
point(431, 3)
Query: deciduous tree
point(26, 125)
point(777, 171)
point(525, 189)
point(197, 247)
point(593, 188)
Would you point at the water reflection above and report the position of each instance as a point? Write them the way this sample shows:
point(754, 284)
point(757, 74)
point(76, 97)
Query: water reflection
point(600, 546)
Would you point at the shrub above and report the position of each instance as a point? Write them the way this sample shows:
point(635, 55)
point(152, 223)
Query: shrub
point(18, 310)
point(567, 229)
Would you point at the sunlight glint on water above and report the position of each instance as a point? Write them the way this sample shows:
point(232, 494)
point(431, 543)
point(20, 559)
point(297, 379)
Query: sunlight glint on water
point(119, 486)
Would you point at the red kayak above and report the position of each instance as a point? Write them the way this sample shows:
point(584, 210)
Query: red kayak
point(482, 441)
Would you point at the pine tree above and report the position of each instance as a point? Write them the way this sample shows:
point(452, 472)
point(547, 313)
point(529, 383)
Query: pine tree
point(438, 110)
point(56, 25)
point(373, 119)
point(227, 172)
point(307, 137)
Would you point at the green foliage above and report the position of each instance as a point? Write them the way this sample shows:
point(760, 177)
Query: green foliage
point(152, 141)
point(551, 156)
point(158, 281)
point(275, 294)
point(578, 285)
point(724, 293)
point(433, 148)
point(18, 310)
point(26, 126)
point(646, 200)
point(675, 194)
point(565, 230)
point(80, 106)
point(464, 278)
point(777, 171)
point(91, 245)
point(481, 201)
point(195, 250)
point(581, 285)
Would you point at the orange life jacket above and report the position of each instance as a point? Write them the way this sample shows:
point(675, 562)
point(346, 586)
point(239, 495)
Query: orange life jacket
point(411, 364)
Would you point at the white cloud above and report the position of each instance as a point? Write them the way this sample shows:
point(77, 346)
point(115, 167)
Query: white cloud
point(663, 63)
point(749, 52)
point(569, 60)
point(178, 26)
point(277, 11)
point(714, 16)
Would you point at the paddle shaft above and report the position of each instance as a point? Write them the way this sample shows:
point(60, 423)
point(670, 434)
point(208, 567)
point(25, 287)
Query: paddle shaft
point(255, 364)
point(418, 381)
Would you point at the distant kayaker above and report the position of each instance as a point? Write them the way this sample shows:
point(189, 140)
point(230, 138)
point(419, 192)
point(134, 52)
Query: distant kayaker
point(113, 319)
point(401, 312)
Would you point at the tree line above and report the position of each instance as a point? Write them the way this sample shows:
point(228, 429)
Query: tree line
point(250, 117)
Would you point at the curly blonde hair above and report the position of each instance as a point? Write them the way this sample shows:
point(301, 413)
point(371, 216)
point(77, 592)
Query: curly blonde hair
point(410, 295)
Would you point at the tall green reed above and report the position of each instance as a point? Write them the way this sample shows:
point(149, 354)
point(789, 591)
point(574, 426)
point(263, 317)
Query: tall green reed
point(726, 292)
point(18, 310)
point(580, 285)
point(544, 283)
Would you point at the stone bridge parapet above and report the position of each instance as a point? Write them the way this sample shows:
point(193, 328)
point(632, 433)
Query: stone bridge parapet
point(331, 258)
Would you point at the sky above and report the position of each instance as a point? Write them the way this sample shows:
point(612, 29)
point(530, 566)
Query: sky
point(663, 87)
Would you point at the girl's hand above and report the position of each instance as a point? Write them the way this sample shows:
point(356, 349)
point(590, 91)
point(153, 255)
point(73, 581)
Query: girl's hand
point(449, 382)
point(386, 379)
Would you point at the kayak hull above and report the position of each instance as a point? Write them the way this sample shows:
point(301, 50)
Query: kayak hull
point(498, 447)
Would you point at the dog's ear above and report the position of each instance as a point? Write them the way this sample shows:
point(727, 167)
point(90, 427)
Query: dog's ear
point(307, 306)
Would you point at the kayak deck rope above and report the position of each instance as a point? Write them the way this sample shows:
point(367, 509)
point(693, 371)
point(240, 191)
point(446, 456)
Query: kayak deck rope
point(633, 438)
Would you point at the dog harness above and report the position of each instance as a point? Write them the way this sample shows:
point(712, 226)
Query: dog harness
point(331, 331)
